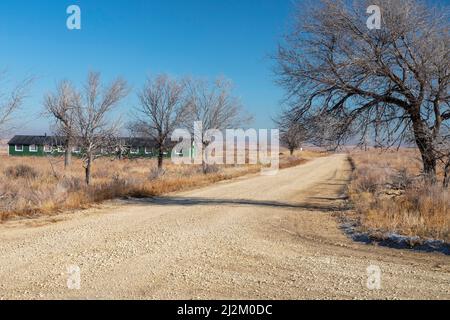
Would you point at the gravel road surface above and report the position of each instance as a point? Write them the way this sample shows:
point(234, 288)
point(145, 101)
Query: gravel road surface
point(257, 237)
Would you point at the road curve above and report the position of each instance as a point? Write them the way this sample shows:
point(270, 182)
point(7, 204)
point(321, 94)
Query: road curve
point(260, 237)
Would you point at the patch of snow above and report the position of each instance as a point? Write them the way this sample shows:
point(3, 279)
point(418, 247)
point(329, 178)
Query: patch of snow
point(394, 240)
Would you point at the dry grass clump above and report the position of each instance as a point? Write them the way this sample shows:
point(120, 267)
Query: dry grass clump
point(390, 196)
point(291, 161)
point(21, 171)
point(36, 186)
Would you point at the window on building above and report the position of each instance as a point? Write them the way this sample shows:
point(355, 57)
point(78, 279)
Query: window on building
point(76, 149)
point(47, 148)
point(134, 150)
point(19, 147)
point(33, 148)
point(61, 149)
point(148, 151)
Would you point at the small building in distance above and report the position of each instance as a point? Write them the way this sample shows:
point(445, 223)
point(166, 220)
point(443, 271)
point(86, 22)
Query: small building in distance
point(41, 146)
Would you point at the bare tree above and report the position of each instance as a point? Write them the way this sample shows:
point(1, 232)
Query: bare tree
point(215, 108)
point(11, 101)
point(292, 133)
point(118, 148)
point(61, 106)
point(293, 137)
point(163, 107)
point(93, 129)
point(395, 79)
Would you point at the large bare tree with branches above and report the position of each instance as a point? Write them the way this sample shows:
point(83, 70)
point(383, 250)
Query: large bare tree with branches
point(394, 80)
point(94, 130)
point(163, 107)
point(61, 107)
point(213, 106)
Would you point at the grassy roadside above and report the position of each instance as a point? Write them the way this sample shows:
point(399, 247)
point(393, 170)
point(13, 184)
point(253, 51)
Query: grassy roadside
point(390, 197)
point(31, 187)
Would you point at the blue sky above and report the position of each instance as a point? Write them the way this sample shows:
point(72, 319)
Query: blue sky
point(136, 38)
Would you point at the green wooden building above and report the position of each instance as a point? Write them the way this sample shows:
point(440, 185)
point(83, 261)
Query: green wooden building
point(40, 146)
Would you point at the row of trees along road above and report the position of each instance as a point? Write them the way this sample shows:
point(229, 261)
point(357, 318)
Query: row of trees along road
point(165, 104)
point(344, 80)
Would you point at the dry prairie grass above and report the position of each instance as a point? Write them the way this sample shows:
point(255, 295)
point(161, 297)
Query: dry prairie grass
point(390, 196)
point(40, 186)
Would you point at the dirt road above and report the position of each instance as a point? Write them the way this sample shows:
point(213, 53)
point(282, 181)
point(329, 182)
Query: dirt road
point(260, 238)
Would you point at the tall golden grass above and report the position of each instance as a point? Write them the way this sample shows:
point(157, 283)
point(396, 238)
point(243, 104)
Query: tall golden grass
point(390, 196)
point(40, 186)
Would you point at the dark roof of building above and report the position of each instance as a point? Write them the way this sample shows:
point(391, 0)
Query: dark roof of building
point(137, 142)
point(37, 140)
point(52, 140)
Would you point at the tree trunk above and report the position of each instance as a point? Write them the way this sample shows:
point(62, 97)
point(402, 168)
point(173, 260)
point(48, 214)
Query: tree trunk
point(429, 164)
point(160, 159)
point(291, 150)
point(204, 167)
point(447, 174)
point(204, 162)
point(68, 154)
point(424, 141)
point(88, 169)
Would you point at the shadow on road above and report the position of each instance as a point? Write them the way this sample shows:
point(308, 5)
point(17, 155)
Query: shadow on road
point(196, 201)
